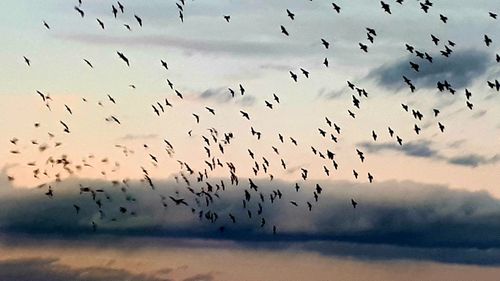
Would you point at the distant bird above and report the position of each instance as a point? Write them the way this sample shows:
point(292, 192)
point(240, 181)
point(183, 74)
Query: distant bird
point(164, 64)
point(385, 7)
point(139, 20)
point(290, 14)
point(124, 58)
point(284, 31)
point(441, 127)
point(88, 63)
point(80, 11)
point(100, 23)
point(46, 25)
point(227, 18)
point(27, 61)
point(325, 43)
point(354, 203)
point(336, 8)
point(487, 40)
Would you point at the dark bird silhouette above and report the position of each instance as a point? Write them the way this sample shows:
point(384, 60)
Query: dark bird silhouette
point(123, 57)
point(27, 61)
point(114, 10)
point(441, 127)
point(178, 201)
point(290, 14)
point(354, 203)
point(164, 64)
point(443, 18)
point(294, 76)
point(80, 11)
point(46, 25)
point(487, 40)
point(415, 66)
point(284, 31)
point(227, 18)
point(336, 8)
point(121, 7)
point(385, 7)
point(325, 43)
point(139, 20)
point(363, 47)
point(305, 72)
point(88, 63)
point(211, 110)
point(100, 23)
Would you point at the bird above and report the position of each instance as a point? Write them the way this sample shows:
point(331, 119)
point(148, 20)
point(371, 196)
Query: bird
point(290, 14)
point(443, 18)
point(80, 11)
point(487, 40)
point(363, 47)
point(325, 43)
point(88, 63)
point(27, 61)
point(114, 10)
point(284, 31)
point(139, 20)
point(294, 76)
point(46, 25)
point(354, 203)
point(123, 57)
point(227, 18)
point(336, 8)
point(100, 23)
point(164, 64)
point(441, 127)
point(178, 201)
point(385, 7)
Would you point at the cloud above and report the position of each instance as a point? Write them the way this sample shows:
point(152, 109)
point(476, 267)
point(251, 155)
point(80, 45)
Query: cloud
point(222, 95)
point(393, 215)
point(48, 269)
point(473, 160)
point(460, 69)
point(140, 137)
point(423, 149)
point(420, 149)
point(201, 277)
point(237, 47)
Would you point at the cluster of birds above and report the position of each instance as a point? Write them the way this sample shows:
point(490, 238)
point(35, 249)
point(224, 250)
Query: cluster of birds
point(202, 194)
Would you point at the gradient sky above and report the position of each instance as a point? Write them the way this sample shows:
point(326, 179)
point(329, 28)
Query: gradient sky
point(433, 208)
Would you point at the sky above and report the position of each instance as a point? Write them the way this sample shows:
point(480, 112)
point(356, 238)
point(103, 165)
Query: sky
point(431, 211)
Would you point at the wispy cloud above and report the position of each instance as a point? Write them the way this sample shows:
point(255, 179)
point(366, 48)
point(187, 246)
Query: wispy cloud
point(423, 149)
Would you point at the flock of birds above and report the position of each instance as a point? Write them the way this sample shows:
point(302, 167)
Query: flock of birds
point(201, 192)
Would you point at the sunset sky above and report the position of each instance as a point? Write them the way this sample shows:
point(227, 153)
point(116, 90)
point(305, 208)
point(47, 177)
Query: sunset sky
point(431, 213)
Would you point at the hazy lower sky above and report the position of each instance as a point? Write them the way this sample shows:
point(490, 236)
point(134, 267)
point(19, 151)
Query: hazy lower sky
point(431, 212)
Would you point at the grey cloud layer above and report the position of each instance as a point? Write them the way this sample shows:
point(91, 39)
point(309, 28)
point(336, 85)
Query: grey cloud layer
point(392, 215)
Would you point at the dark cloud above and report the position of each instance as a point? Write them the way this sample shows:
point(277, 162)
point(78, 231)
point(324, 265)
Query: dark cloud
point(390, 214)
point(473, 160)
point(460, 69)
point(421, 149)
point(48, 269)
